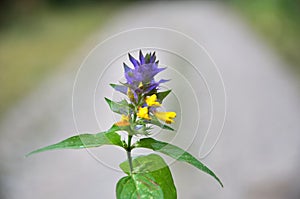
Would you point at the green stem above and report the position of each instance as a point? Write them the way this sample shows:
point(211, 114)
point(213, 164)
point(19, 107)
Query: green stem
point(129, 147)
point(129, 153)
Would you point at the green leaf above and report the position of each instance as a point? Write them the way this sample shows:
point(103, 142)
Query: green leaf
point(162, 95)
point(156, 122)
point(120, 88)
point(84, 141)
point(121, 107)
point(138, 186)
point(159, 170)
point(120, 128)
point(176, 153)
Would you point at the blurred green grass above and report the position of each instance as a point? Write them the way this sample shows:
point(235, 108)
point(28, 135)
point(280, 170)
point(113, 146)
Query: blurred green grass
point(35, 46)
point(279, 22)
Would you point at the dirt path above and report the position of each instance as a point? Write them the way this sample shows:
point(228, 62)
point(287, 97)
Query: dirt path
point(257, 156)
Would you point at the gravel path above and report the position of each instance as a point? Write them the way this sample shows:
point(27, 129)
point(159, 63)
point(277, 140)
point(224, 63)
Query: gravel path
point(258, 153)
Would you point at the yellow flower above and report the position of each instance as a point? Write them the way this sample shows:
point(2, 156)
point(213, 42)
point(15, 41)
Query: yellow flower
point(124, 121)
point(130, 94)
point(141, 85)
point(166, 116)
point(151, 100)
point(143, 113)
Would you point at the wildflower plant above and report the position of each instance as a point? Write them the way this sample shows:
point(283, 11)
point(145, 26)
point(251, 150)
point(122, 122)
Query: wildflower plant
point(147, 176)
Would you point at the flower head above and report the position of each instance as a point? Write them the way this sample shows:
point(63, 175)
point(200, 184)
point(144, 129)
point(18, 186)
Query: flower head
point(140, 79)
point(124, 121)
point(143, 113)
point(166, 116)
point(152, 100)
point(143, 92)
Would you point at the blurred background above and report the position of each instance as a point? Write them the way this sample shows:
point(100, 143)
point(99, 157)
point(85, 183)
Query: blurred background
point(255, 44)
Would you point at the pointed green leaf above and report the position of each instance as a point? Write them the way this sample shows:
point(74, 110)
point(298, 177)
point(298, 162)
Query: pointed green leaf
point(120, 88)
point(120, 128)
point(176, 153)
point(84, 141)
point(138, 186)
point(121, 107)
point(162, 95)
point(159, 170)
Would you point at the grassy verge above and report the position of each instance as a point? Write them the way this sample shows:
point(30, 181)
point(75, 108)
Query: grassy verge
point(33, 47)
point(279, 22)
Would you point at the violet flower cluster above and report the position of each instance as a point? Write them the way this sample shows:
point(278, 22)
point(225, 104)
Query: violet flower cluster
point(144, 96)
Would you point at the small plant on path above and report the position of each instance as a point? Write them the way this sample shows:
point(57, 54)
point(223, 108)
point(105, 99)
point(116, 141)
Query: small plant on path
point(147, 176)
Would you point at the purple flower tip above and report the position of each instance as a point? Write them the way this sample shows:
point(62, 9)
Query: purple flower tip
point(141, 77)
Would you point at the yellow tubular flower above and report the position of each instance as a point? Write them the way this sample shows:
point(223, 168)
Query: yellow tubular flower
point(130, 94)
point(141, 85)
point(151, 100)
point(143, 113)
point(124, 121)
point(166, 116)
